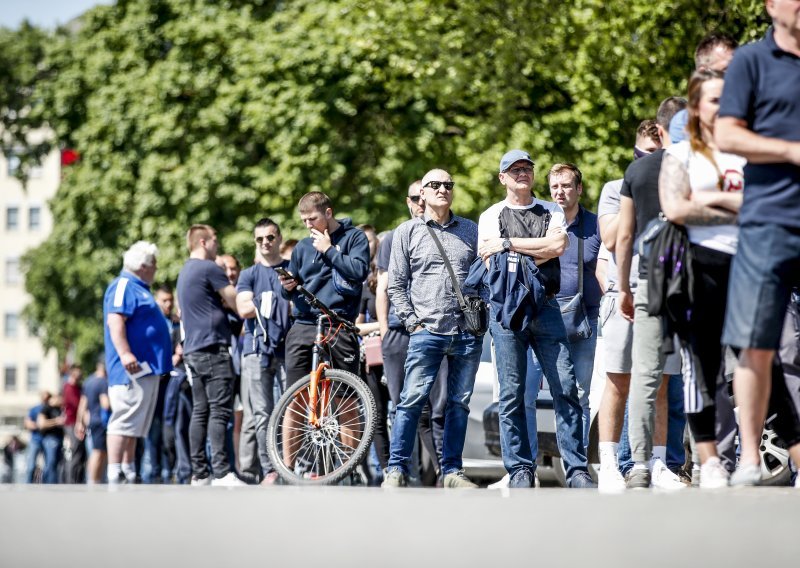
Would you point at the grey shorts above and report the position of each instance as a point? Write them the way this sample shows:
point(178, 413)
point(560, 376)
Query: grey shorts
point(617, 334)
point(133, 407)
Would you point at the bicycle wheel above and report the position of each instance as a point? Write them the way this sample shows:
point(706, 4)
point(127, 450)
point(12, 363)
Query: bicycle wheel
point(325, 451)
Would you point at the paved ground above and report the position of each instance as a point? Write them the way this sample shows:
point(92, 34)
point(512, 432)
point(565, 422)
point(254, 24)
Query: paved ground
point(146, 526)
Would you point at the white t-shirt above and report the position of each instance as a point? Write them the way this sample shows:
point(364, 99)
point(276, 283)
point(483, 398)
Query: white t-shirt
point(703, 176)
point(489, 222)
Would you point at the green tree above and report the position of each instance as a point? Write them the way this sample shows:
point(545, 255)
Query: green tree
point(222, 112)
point(21, 55)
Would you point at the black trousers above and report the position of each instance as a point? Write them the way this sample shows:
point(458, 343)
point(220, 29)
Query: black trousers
point(212, 393)
point(344, 352)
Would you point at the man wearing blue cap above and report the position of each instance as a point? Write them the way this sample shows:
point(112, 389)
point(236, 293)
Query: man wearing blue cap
point(530, 235)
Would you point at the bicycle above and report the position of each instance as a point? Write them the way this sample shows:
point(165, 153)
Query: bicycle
point(322, 427)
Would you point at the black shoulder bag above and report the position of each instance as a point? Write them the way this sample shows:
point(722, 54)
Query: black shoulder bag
point(573, 312)
point(476, 313)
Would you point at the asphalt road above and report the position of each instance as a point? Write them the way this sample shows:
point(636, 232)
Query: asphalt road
point(150, 526)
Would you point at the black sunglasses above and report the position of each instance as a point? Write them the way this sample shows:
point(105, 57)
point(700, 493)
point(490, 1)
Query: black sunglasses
point(414, 198)
point(448, 185)
point(270, 238)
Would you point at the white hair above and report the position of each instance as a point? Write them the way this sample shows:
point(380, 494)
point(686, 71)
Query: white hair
point(139, 255)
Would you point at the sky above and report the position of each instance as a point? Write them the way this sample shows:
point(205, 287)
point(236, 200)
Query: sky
point(43, 13)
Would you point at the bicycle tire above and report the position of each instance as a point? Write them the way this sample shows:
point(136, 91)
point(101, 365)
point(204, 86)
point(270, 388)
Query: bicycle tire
point(314, 441)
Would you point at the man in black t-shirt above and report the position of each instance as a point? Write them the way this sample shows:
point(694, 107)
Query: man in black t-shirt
point(639, 205)
point(202, 289)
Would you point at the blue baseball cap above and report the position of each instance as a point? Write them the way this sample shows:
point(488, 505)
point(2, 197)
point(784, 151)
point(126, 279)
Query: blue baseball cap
point(677, 126)
point(512, 156)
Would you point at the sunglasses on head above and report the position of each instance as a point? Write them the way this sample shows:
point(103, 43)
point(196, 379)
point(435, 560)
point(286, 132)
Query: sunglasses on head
point(270, 238)
point(448, 185)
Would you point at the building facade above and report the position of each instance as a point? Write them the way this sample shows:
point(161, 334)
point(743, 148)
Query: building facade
point(25, 221)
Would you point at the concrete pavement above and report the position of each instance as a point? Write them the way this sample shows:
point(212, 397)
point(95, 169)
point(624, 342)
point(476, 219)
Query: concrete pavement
point(178, 526)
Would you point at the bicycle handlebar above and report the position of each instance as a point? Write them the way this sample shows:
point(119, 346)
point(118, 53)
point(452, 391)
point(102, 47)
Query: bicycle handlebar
point(317, 303)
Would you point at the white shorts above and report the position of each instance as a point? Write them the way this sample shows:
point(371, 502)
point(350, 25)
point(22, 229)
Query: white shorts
point(617, 333)
point(132, 407)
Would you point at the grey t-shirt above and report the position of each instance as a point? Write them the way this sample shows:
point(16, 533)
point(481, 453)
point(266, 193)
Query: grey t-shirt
point(609, 204)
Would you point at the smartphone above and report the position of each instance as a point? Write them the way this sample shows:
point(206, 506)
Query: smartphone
point(285, 273)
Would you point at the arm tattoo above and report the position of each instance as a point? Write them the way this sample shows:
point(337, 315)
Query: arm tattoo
point(675, 188)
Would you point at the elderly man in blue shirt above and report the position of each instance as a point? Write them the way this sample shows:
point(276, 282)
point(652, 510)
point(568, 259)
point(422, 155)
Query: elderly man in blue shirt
point(138, 353)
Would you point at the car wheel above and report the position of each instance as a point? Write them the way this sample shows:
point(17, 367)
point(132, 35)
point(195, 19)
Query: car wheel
point(775, 469)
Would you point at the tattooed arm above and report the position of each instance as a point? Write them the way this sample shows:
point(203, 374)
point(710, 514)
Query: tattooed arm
point(674, 192)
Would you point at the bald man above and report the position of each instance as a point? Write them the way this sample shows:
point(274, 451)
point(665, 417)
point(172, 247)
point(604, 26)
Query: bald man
point(426, 303)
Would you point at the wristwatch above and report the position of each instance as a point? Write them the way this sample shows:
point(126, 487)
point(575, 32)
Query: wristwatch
point(506, 245)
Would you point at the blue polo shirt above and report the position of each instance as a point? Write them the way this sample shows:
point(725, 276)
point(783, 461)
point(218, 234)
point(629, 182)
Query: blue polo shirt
point(587, 231)
point(33, 414)
point(146, 328)
point(762, 87)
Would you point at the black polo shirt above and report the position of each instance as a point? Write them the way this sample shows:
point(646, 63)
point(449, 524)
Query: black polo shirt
point(762, 87)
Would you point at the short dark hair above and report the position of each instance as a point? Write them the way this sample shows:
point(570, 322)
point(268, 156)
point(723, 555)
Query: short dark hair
point(668, 108)
point(707, 45)
point(267, 222)
point(647, 128)
point(166, 288)
point(314, 201)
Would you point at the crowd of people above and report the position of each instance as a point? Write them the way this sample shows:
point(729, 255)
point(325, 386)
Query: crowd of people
point(686, 272)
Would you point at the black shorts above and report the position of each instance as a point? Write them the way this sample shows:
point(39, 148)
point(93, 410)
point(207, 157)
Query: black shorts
point(343, 352)
point(98, 436)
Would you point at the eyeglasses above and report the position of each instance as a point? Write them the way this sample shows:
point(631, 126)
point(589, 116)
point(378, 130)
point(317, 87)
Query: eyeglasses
point(270, 238)
point(517, 171)
point(448, 185)
point(414, 198)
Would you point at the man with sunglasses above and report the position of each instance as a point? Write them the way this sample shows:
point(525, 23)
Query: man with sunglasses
point(522, 226)
point(266, 321)
point(425, 301)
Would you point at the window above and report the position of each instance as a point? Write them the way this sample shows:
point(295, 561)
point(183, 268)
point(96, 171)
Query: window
point(32, 377)
point(13, 164)
point(11, 324)
point(10, 378)
point(34, 218)
point(12, 271)
point(12, 218)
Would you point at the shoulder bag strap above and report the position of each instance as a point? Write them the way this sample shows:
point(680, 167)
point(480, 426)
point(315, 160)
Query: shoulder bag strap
point(580, 253)
point(453, 280)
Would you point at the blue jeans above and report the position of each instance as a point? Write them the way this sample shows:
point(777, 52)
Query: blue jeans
point(426, 351)
point(582, 355)
point(52, 446)
point(676, 423)
point(547, 336)
point(35, 448)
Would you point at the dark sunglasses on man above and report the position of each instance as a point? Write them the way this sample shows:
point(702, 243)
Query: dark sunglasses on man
point(270, 238)
point(448, 185)
point(415, 198)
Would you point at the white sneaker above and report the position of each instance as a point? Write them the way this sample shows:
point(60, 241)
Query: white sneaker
point(797, 481)
point(662, 478)
point(610, 480)
point(197, 482)
point(502, 484)
point(713, 475)
point(229, 480)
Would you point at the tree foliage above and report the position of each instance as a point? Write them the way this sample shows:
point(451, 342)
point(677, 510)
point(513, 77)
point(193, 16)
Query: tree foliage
point(222, 112)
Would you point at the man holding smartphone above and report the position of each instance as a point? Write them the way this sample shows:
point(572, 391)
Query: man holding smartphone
point(332, 263)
